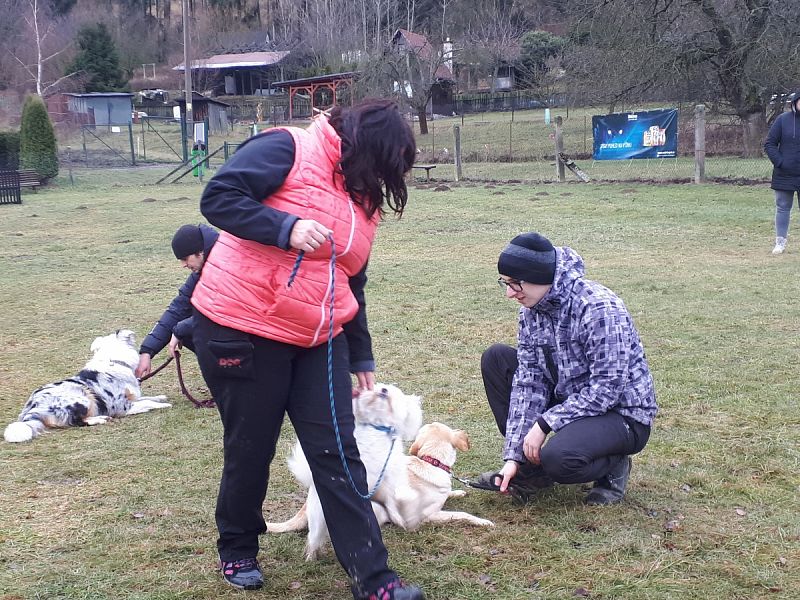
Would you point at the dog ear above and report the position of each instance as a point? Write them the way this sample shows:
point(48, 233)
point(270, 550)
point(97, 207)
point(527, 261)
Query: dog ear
point(414, 449)
point(460, 440)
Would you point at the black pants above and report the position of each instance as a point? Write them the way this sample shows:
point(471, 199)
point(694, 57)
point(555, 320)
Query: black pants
point(255, 381)
point(583, 451)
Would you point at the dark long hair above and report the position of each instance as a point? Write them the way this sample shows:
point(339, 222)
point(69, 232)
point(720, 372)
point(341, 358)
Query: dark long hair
point(378, 149)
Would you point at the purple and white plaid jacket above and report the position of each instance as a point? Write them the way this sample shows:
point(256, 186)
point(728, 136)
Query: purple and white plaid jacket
point(585, 333)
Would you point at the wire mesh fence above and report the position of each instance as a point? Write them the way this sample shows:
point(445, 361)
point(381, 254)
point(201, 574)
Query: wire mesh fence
point(521, 145)
point(509, 145)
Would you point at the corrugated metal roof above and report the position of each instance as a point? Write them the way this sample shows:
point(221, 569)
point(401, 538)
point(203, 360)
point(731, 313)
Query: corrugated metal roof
point(227, 61)
point(98, 94)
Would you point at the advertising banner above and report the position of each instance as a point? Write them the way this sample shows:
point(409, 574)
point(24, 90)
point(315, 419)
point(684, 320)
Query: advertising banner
point(645, 134)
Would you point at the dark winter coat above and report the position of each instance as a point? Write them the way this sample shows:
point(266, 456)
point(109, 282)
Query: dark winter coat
point(178, 318)
point(783, 148)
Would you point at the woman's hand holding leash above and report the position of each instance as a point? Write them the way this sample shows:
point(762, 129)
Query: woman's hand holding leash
point(308, 235)
point(174, 345)
point(144, 367)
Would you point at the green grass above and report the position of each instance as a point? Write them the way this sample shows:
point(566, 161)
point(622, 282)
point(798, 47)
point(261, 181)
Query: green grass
point(125, 511)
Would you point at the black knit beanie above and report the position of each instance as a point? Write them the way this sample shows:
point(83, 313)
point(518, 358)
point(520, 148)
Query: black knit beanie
point(529, 257)
point(187, 240)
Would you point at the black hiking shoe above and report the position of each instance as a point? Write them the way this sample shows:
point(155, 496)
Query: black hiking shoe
point(243, 574)
point(611, 488)
point(397, 590)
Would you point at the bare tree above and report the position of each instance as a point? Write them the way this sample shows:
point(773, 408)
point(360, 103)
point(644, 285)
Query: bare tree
point(494, 40)
point(44, 44)
point(735, 51)
point(416, 66)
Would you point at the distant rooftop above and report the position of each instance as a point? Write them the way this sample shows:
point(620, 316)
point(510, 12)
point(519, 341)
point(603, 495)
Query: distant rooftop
point(227, 61)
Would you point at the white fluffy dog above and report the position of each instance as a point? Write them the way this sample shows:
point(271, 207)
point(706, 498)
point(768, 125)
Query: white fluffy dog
point(105, 388)
point(384, 418)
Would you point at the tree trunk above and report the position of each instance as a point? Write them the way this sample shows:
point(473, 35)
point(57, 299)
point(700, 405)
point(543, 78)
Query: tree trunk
point(754, 128)
point(423, 121)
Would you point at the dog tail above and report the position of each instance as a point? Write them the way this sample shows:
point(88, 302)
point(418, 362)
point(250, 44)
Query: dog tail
point(298, 465)
point(298, 522)
point(23, 431)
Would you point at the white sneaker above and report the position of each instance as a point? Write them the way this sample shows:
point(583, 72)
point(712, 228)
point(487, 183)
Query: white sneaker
point(780, 245)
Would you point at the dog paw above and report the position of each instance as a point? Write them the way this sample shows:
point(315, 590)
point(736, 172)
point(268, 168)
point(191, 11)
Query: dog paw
point(457, 494)
point(98, 420)
point(484, 523)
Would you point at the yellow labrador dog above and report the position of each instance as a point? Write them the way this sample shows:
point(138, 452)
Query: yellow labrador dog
point(429, 468)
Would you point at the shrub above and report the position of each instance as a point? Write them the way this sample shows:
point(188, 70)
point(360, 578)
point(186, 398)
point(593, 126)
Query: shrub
point(37, 140)
point(9, 150)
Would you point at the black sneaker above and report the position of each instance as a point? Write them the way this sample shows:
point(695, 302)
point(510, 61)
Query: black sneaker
point(397, 590)
point(532, 477)
point(611, 488)
point(243, 574)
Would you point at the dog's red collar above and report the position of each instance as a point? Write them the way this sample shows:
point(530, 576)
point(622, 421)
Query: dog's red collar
point(436, 463)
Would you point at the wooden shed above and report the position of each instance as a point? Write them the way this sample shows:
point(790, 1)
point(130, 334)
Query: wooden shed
point(96, 108)
point(208, 108)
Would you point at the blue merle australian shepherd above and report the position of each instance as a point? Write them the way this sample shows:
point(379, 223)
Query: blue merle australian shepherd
point(105, 388)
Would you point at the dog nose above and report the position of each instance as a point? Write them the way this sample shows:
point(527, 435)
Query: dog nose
point(383, 392)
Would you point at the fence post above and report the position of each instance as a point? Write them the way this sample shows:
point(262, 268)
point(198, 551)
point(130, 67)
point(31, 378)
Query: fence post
point(130, 137)
point(699, 143)
point(144, 141)
point(510, 146)
point(457, 135)
point(560, 172)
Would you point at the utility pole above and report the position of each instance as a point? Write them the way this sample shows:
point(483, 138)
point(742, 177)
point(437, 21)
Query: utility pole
point(187, 68)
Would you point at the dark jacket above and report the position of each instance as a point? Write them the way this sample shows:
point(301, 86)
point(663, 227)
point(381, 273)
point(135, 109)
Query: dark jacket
point(178, 318)
point(783, 148)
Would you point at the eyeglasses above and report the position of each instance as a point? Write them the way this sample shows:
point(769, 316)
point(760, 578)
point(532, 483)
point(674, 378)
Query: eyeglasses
point(516, 286)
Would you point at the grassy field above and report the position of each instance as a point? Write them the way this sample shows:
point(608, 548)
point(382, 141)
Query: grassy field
point(125, 511)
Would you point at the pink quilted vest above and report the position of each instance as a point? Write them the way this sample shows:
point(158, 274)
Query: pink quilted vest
point(243, 283)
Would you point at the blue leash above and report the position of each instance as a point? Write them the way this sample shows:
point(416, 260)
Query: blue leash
point(389, 430)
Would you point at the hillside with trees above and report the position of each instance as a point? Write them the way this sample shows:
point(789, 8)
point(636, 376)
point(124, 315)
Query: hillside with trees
point(736, 55)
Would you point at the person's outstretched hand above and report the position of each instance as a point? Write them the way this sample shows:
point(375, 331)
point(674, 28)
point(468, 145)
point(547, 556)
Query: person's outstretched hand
point(365, 381)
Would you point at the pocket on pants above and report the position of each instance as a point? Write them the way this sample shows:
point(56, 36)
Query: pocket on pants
point(232, 358)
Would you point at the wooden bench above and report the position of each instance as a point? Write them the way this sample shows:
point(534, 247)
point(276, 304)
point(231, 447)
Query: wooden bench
point(427, 170)
point(28, 178)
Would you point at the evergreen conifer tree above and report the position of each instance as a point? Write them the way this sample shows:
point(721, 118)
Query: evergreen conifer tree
point(37, 140)
point(99, 60)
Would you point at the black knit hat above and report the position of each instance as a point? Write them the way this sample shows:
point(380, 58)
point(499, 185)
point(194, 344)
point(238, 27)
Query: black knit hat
point(529, 257)
point(187, 240)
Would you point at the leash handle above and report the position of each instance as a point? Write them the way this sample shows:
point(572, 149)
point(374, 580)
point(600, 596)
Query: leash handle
point(153, 373)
